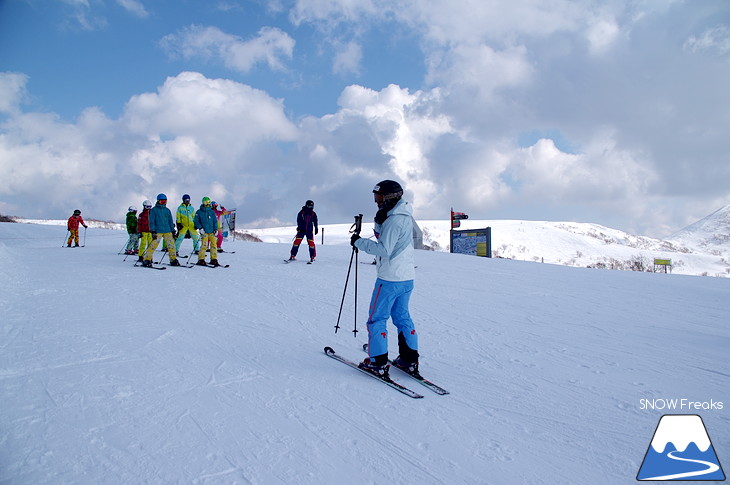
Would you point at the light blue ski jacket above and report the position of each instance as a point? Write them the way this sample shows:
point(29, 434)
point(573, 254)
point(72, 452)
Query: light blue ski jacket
point(161, 219)
point(394, 246)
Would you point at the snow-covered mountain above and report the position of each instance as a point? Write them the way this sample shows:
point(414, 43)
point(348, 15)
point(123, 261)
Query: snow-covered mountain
point(567, 243)
point(111, 373)
point(710, 234)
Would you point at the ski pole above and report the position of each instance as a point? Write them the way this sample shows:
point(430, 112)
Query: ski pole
point(68, 232)
point(84, 245)
point(162, 258)
point(355, 229)
point(342, 303)
point(354, 331)
point(358, 227)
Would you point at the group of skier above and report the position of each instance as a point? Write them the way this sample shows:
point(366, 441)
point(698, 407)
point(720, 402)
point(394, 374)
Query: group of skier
point(156, 224)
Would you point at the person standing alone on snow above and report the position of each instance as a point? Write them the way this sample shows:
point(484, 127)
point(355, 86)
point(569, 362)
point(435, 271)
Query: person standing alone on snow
point(73, 228)
point(393, 249)
point(307, 226)
point(161, 227)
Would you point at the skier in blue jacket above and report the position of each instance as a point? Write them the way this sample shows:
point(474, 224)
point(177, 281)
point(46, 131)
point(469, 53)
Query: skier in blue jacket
point(162, 226)
point(393, 249)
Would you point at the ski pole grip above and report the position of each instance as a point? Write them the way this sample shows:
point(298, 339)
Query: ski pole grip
point(358, 224)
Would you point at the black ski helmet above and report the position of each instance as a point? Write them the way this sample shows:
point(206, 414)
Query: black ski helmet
point(77, 212)
point(309, 204)
point(389, 189)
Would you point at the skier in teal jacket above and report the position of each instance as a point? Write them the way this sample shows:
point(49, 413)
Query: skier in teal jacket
point(162, 226)
point(206, 221)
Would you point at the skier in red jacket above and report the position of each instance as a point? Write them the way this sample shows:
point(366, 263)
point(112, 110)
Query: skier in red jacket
point(73, 227)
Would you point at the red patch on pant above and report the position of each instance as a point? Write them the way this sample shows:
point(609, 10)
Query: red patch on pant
point(385, 335)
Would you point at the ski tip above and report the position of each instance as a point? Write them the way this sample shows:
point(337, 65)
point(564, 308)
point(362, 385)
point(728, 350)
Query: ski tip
point(365, 347)
point(329, 350)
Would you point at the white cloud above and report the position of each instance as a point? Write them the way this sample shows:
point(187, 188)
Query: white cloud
point(480, 67)
point(227, 116)
point(271, 46)
point(405, 128)
point(83, 16)
point(716, 39)
point(601, 34)
point(195, 135)
point(603, 172)
point(134, 7)
point(12, 91)
point(347, 60)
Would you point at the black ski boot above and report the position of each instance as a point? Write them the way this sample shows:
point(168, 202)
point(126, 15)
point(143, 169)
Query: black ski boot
point(174, 262)
point(214, 262)
point(378, 370)
point(407, 367)
point(201, 262)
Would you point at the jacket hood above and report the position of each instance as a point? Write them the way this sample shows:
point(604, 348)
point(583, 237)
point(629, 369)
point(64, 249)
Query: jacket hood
point(401, 208)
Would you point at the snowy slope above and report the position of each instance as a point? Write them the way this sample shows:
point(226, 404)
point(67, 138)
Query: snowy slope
point(116, 374)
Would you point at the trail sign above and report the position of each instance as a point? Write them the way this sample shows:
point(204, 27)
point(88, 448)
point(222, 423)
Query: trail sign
point(456, 217)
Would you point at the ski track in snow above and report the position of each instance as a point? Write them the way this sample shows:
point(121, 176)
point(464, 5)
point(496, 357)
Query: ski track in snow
point(111, 373)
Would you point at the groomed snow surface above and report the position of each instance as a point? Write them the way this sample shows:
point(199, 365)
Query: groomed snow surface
point(116, 374)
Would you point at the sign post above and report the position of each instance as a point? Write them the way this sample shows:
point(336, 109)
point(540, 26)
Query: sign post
point(477, 242)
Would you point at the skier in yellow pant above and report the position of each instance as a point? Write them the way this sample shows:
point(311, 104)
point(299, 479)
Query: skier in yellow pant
point(207, 223)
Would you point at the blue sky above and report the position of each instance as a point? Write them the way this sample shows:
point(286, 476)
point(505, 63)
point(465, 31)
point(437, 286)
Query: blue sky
point(614, 112)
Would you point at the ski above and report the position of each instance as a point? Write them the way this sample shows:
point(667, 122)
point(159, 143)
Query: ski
point(386, 380)
point(435, 388)
point(209, 265)
point(150, 267)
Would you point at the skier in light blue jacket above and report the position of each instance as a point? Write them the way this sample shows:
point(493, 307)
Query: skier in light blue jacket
point(393, 249)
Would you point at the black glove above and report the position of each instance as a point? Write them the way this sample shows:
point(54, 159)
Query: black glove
point(316, 230)
point(154, 235)
point(174, 234)
point(354, 238)
point(179, 226)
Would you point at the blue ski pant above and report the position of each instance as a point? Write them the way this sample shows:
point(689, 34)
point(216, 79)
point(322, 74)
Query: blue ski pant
point(390, 300)
point(181, 237)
